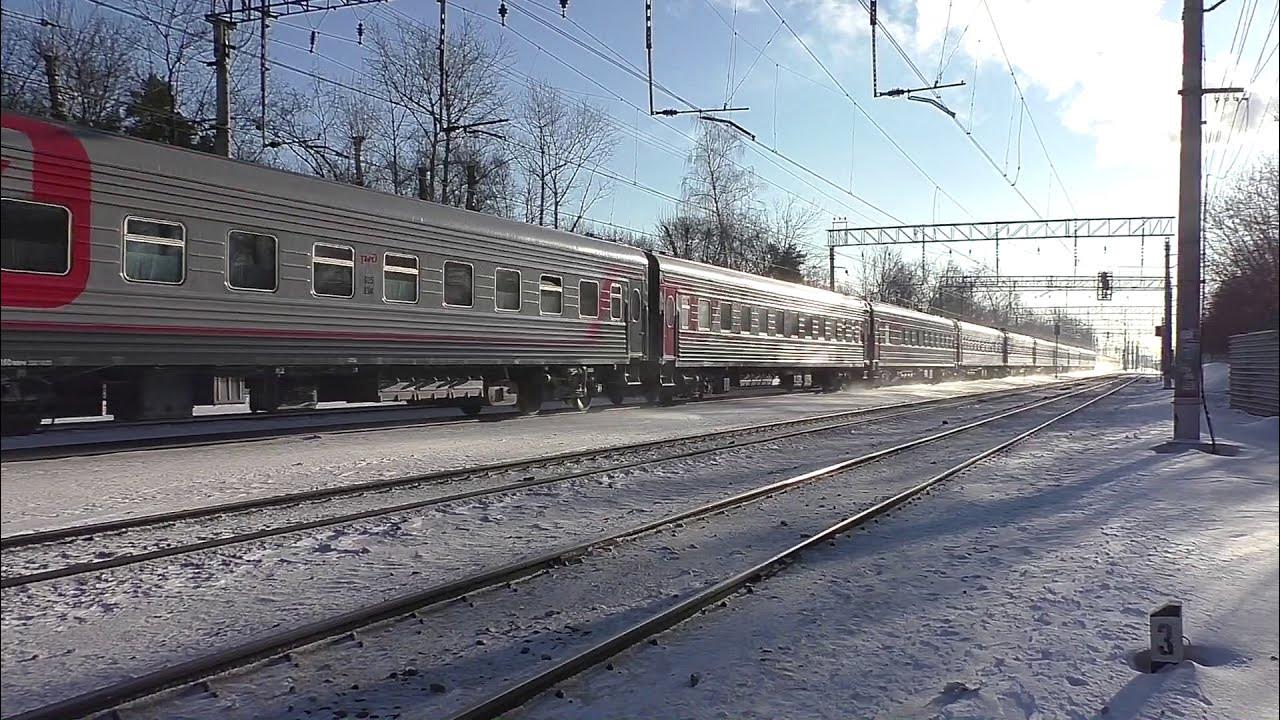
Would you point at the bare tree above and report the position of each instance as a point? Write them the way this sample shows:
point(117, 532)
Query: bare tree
point(884, 276)
point(718, 187)
point(319, 128)
point(405, 62)
point(791, 222)
point(1241, 224)
point(560, 144)
point(90, 57)
point(22, 83)
point(1242, 234)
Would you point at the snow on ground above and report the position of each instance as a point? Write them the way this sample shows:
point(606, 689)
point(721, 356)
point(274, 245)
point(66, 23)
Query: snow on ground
point(52, 493)
point(67, 636)
point(1017, 590)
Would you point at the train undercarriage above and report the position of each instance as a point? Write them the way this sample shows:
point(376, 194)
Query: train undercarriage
point(31, 395)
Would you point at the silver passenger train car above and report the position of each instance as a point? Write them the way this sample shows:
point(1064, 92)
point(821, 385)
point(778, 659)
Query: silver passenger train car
point(142, 273)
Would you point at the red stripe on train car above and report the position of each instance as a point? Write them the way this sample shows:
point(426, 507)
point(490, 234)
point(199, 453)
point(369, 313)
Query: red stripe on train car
point(61, 175)
point(257, 332)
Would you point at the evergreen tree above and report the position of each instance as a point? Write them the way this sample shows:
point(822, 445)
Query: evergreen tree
point(153, 114)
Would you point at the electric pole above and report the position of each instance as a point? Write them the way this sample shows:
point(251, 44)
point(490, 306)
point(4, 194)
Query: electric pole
point(831, 266)
point(424, 183)
point(224, 20)
point(444, 111)
point(222, 84)
point(357, 153)
point(1186, 393)
point(472, 181)
point(1166, 334)
point(56, 108)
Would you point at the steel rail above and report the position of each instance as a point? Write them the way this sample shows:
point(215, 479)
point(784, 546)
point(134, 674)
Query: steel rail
point(327, 420)
point(526, 690)
point(110, 696)
point(125, 560)
point(77, 531)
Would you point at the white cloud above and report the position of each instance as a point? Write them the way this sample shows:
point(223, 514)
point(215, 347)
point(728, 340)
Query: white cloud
point(1111, 69)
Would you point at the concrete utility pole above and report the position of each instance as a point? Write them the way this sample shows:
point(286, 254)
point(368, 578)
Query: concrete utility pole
point(357, 152)
point(444, 110)
point(222, 84)
point(224, 17)
point(56, 108)
point(473, 179)
point(831, 267)
point(1166, 335)
point(424, 183)
point(1186, 393)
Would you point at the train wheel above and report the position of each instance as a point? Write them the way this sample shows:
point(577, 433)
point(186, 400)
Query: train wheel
point(653, 393)
point(529, 397)
point(471, 409)
point(617, 393)
point(578, 404)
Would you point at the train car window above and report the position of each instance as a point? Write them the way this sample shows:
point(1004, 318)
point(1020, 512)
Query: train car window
point(251, 261)
point(333, 270)
point(155, 251)
point(790, 324)
point(35, 237)
point(726, 316)
point(506, 290)
point(551, 294)
point(744, 324)
point(399, 278)
point(588, 299)
point(704, 314)
point(459, 284)
point(615, 302)
point(637, 305)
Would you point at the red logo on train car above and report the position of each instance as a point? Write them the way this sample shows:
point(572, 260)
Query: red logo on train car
point(60, 175)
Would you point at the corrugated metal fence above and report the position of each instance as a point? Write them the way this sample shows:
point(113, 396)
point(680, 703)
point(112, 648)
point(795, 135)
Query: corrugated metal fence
point(1255, 372)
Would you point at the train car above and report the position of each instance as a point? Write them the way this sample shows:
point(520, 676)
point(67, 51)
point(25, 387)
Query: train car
point(1042, 356)
point(147, 275)
point(911, 345)
point(150, 270)
point(981, 350)
point(1019, 352)
point(720, 327)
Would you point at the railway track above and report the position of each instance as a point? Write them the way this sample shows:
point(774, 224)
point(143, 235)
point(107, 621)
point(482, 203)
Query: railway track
point(90, 438)
point(273, 645)
point(65, 542)
point(516, 695)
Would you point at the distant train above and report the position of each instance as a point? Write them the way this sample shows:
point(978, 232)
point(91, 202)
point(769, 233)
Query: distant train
point(146, 274)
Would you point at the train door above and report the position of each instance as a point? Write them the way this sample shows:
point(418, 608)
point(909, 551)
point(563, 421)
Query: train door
point(633, 308)
point(670, 323)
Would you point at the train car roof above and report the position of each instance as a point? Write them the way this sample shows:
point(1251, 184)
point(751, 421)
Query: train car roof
point(965, 325)
point(194, 166)
point(738, 278)
point(887, 309)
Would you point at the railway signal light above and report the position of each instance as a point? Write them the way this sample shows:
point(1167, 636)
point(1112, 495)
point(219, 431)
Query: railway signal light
point(1104, 286)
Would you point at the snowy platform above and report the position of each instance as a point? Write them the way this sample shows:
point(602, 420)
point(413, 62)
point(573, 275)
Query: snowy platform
point(1017, 590)
point(44, 494)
